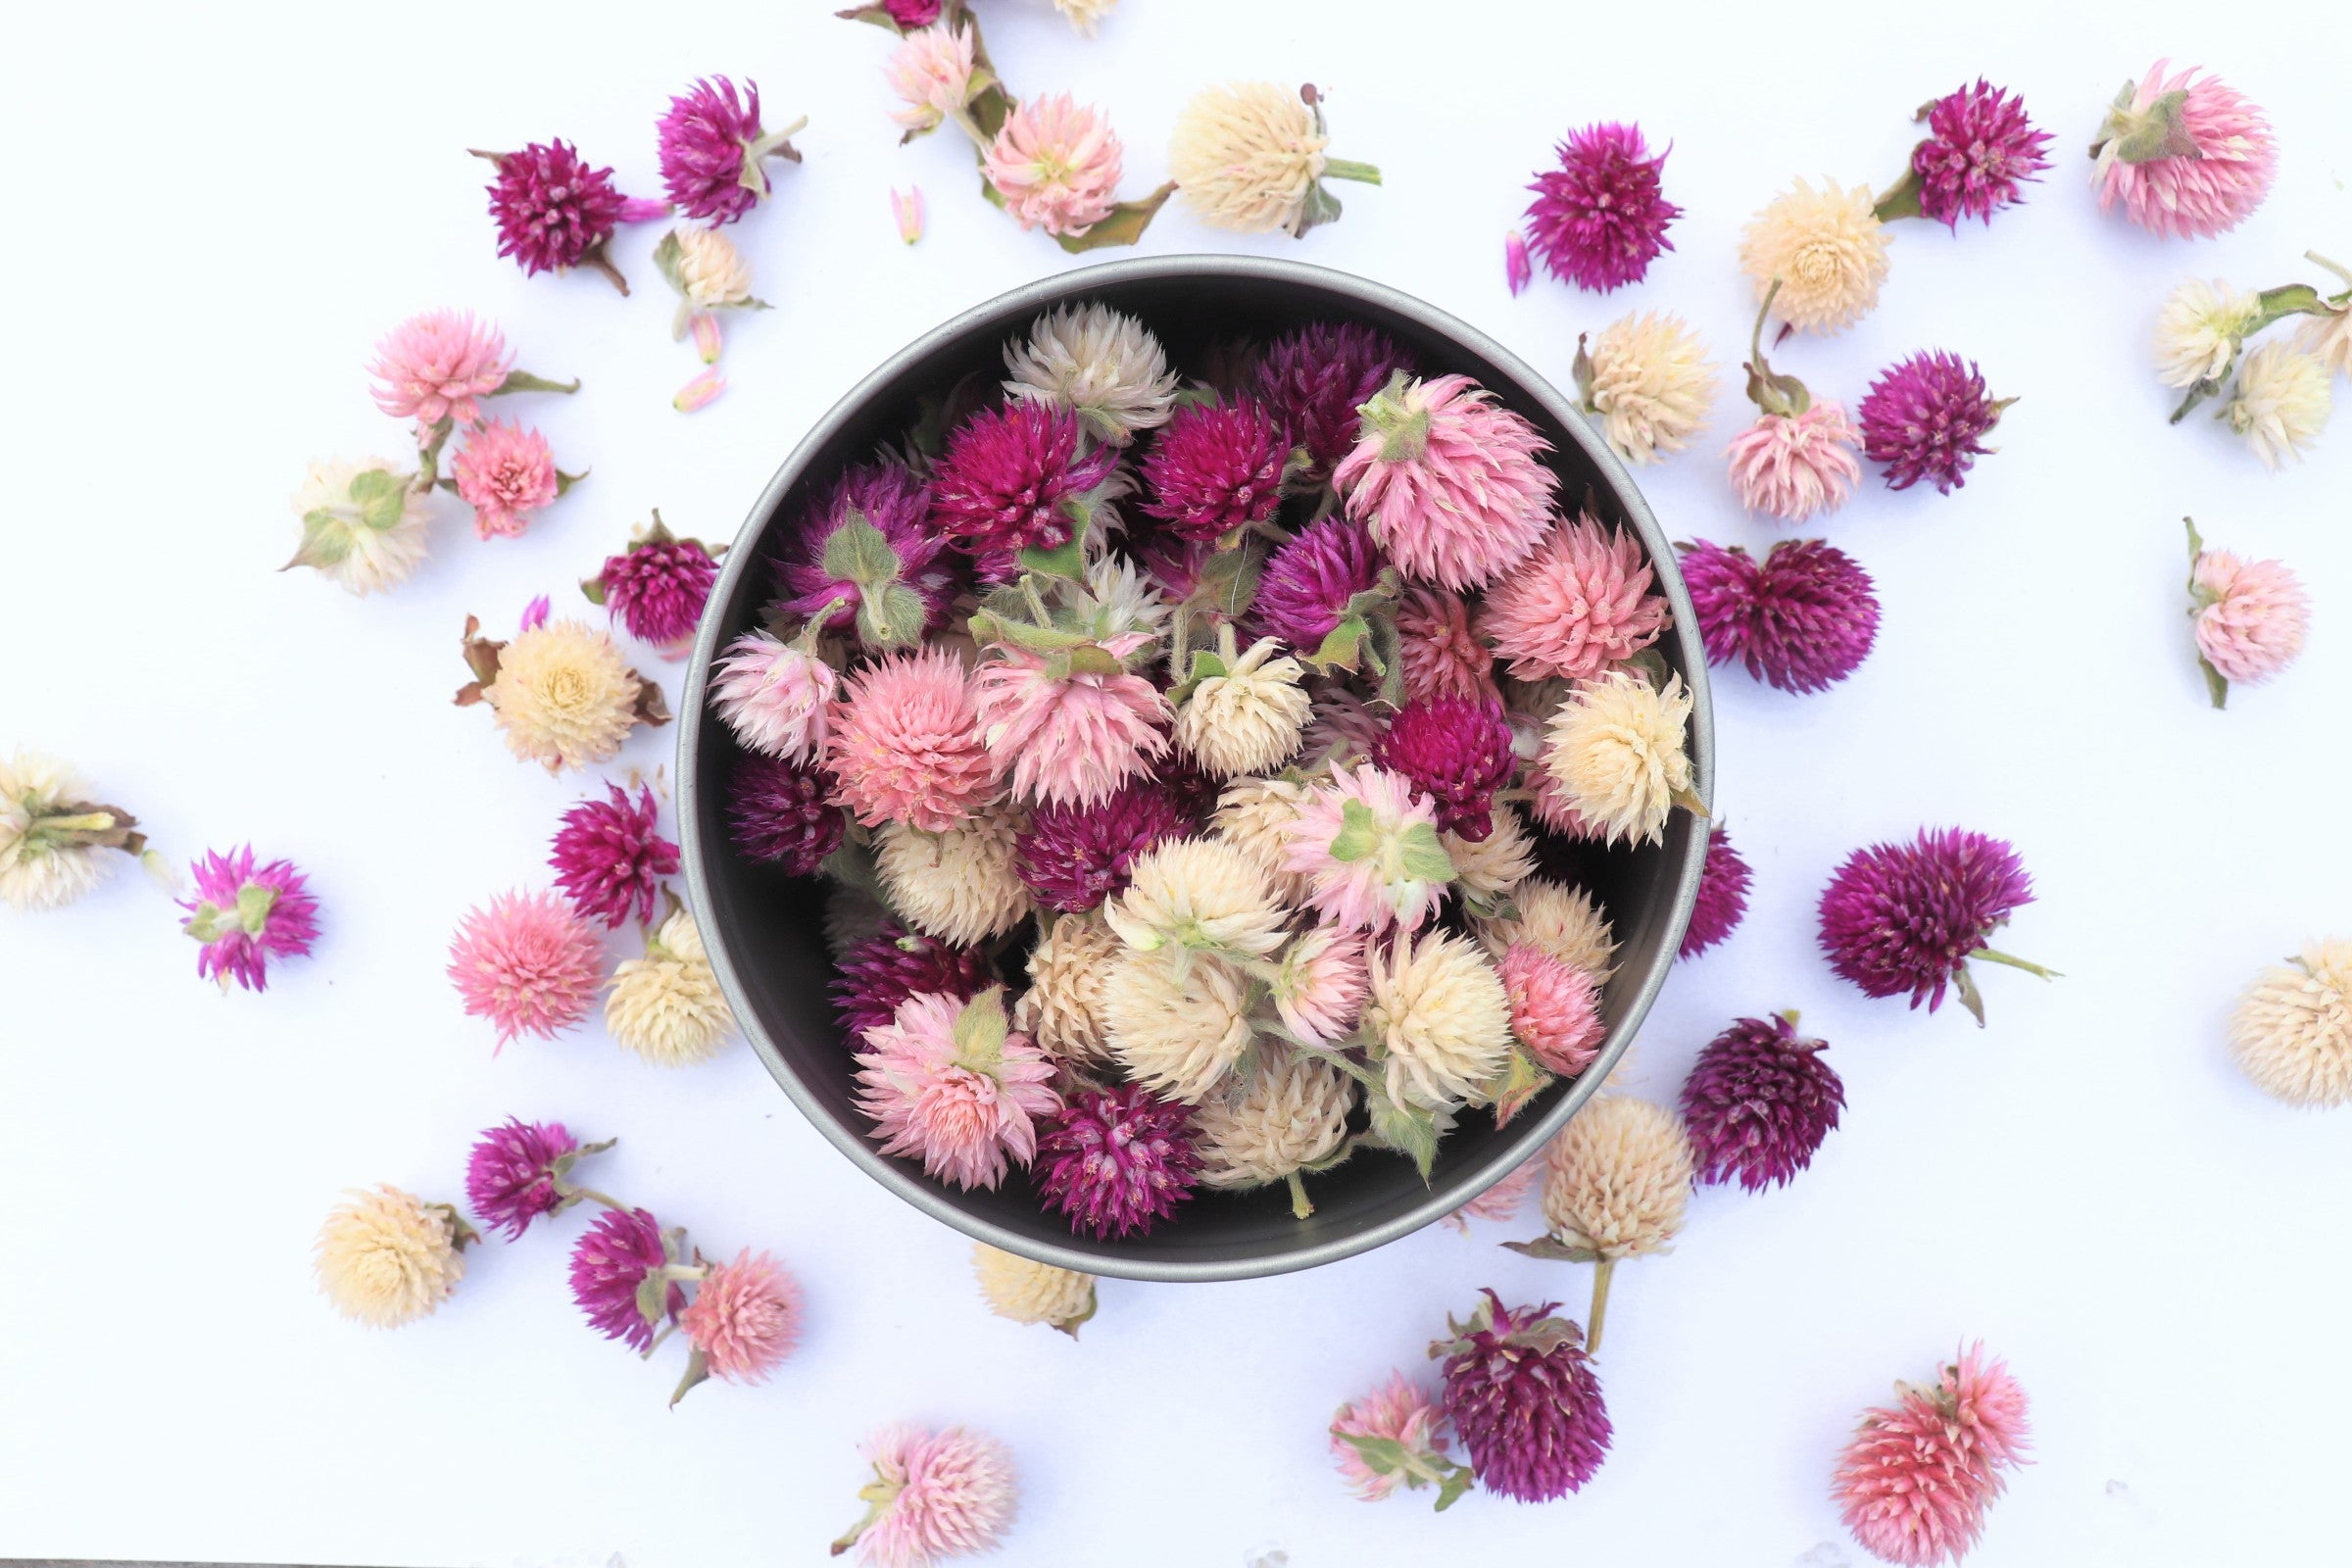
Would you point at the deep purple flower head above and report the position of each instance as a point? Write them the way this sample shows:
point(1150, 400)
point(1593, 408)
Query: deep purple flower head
point(1315, 377)
point(911, 14)
point(611, 1260)
point(1599, 219)
point(247, 914)
point(1117, 1161)
point(1001, 483)
point(1758, 1103)
point(1721, 895)
point(610, 856)
point(1304, 590)
point(1215, 467)
point(658, 588)
point(510, 1175)
point(1925, 419)
point(1524, 1400)
point(893, 964)
point(1074, 856)
point(1979, 146)
point(782, 813)
point(894, 589)
point(1901, 917)
point(553, 209)
point(710, 153)
point(1457, 751)
point(1802, 619)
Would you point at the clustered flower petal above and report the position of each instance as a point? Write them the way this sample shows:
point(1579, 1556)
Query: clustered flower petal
point(385, 1257)
point(1581, 603)
point(1097, 362)
point(1905, 917)
point(527, 963)
point(934, 1494)
point(1073, 857)
point(612, 1258)
point(1827, 250)
point(744, 1317)
point(1067, 738)
point(1524, 1401)
point(1008, 480)
point(1615, 749)
point(1315, 377)
point(246, 914)
point(1648, 377)
point(782, 814)
point(1917, 1476)
point(1721, 895)
point(554, 210)
point(904, 743)
point(1796, 465)
point(511, 1173)
point(957, 884)
point(1455, 751)
point(1439, 1019)
point(1555, 1009)
point(1451, 484)
point(1600, 220)
point(1177, 1025)
point(1055, 163)
point(1979, 147)
point(1215, 467)
point(2187, 154)
point(1441, 653)
point(438, 366)
point(1116, 1161)
point(610, 856)
point(1303, 593)
point(667, 1007)
point(1926, 418)
point(1246, 157)
point(891, 590)
point(2291, 1030)
point(883, 970)
point(949, 1081)
point(1802, 619)
point(1368, 845)
point(1759, 1102)
point(776, 697)
point(1248, 719)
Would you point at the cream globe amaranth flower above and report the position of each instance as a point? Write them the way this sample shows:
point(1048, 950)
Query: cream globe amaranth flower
point(2281, 402)
point(2329, 339)
point(1649, 379)
point(1245, 714)
point(1438, 1018)
point(1555, 919)
point(1062, 1007)
point(1286, 1117)
point(363, 523)
point(1099, 363)
point(1246, 158)
point(2198, 330)
point(563, 696)
point(1254, 815)
point(1024, 1291)
point(52, 837)
point(710, 274)
point(1178, 1030)
point(1489, 869)
point(667, 1007)
point(1085, 15)
point(2292, 1031)
point(957, 884)
point(1197, 895)
point(1115, 599)
point(1615, 748)
point(1827, 249)
point(385, 1257)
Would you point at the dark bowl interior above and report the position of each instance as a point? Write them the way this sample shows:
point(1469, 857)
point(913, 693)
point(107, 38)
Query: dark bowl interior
point(762, 928)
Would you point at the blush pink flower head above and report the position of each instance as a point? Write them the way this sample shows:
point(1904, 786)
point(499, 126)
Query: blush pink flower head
point(946, 1081)
point(905, 743)
point(1057, 163)
point(1453, 485)
point(1399, 1411)
point(1320, 985)
point(505, 473)
point(1368, 845)
point(931, 70)
point(1441, 654)
point(1555, 1009)
point(1796, 466)
point(2186, 154)
point(744, 1317)
point(775, 696)
point(1068, 740)
point(1581, 603)
point(435, 366)
point(934, 1494)
point(2250, 616)
point(526, 961)
point(1917, 1479)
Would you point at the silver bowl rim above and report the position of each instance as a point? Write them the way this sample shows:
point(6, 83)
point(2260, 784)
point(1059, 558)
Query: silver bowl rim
point(1022, 304)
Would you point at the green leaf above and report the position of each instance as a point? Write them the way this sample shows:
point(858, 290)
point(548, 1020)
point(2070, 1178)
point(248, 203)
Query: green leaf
point(1068, 560)
point(1383, 1456)
point(697, 1370)
point(893, 617)
point(380, 496)
point(879, 16)
point(1359, 834)
point(1091, 659)
point(1341, 647)
point(653, 1298)
point(979, 1031)
point(326, 540)
point(1320, 206)
point(859, 552)
point(1124, 225)
point(593, 590)
point(1459, 1480)
point(1554, 1250)
point(1405, 1128)
point(565, 481)
point(1424, 858)
point(2217, 685)
point(525, 381)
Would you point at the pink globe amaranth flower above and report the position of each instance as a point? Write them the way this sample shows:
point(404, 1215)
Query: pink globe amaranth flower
point(246, 914)
point(945, 1081)
point(1458, 753)
point(1214, 468)
point(1581, 603)
point(2251, 615)
point(505, 473)
point(534, 615)
point(934, 1496)
point(1926, 418)
point(744, 1317)
point(437, 366)
point(527, 963)
point(2186, 154)
point(1517, 272)
point(712, 148)
point(1068, 740)
point(1117, 1161)
point(1057, 164)
point(1316, 376)
point(553, 211)
point(1323, 980)
point(1502, 1201)
point(775, 697)
point(657, 590)
point(903, 744)
point(1796, 466)
point(893, 964)
point(1524, 1401)
point(1802, 619)
point(1002, 482)
point(1399, 1411)
point(1451, 484)
point(610, 856)
point(1391, 874)
point(1555, 1009)
point(1599, 219)
point(782, 814)
point(1759, 1102)
point(1980, 147)
point(1899, 917)
point(608, 1262)
point(1303, 592)
point(823, 567)
point(1074, 856)
point(1915, 1482)
point(1441, 656)
point(510, 1174)
point(1721, 895)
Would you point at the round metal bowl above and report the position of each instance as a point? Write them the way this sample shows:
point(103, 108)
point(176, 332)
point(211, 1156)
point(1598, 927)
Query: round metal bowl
point(763, 929)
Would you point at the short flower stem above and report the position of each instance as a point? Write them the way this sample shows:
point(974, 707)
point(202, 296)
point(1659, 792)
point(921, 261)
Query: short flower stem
point(1350, 169)
point(1300, 1205)
point(593, 1195)
point(1996, 956)
point(2338, 268)
point(1600, 1302)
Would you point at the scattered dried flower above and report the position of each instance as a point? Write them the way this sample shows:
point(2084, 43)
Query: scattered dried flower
point(1056, 165)
point(744, 1317)
point(2281, 402)
point(527, 963)
point(2291, 1030)
point(1648, 377)
point(2250, 616)
point(1524, 1400)
point(560, 692)
point(935, 74)
point(1979, 147)
point(907, 211)
point(1827, 250)
point(515, 1172)
point(934, 1494)
point(1917, 1476)
point(555, 211)
point(362, 524)
point(1926, 418)
point(385, 1257)
point(51, 833)
point(1598, 218)
point(611, 1264)
point(1802, 619)
point(714, 150)
point(2186, 154)
point(1394, 1433)
point(656, 589)
point(667, 1007)
point(1248, 157)
point(246, 914)
point(1026, 1291)
point(1759, 1102)
point(1899, 917)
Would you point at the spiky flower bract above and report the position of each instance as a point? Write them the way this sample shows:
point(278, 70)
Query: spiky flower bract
point(1177, 1027)
point(1615, 748)
point(564, 697)
point(1215, 467)
point(1979, 147)
point(1288, 1116)
point(1827, 250)
point(1647, 375)
point(1926, 418)
point(2292, 1029)
point(950, 1082)
point(1116, 1161)
point(1618, 1179)
point(1198, 895)
point(1581, 603)
point(2199, 331)
point(2186, 154)
point(1438, 1018)
point(1802, 619)
point(553, 210)
point(933, 1495)
point(1099, 363)
point(1368, 845)
point(609, 1263)
point(1304, 590)
point(1062, 1009)
point(1917, 1476)
point(1456, 752)
point(1791, 466)
point(782, 814)
point(1316, 376)
point(1074, 856)
point(1524, 1400)
point(385, 1257)
point(438, 365)
point(1441, 653)
point(1254, 815)
point(1906, 917)
point(957, 884)
point(667, 1006)
point(507, 474)
point(51, 833)
point(884, 969)
point(744, 1317)
point(905, 743)
point(1451, 484)
point(2281, 402)
point(932, 72)
point(1067, 736)
point(1561, 920)
point(512, 1173)
point(865, 557)
point(610, 856)
point(713, 149)
point(1398, 1412)
point(1055, 163)
point(1246, 157)
point(1759, 1102)
point(1599, 219)
point(1022, 1290)
point(1007, 479)
point(246, 914)
point(775, 697)
point(1555, 1009)
point(2250, 616)
point(1247, 719)
point(656, 589)
point(1722, 895)
point(1488, 867)
point(527, 963)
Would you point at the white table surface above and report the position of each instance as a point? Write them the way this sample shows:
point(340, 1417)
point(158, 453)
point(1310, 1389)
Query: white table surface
point(217, 208)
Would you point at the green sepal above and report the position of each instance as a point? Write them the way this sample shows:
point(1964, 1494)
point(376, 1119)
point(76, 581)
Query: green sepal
point(1071, 1325)
point(1207, 665)
point(2141, 136)
point(1407, 1129)
point(1320, 206)
point(653, 1298)
point(859, 552)
point(879, 16)
point(325, 541)
point(892, 616)
point(593, 590)
point(565, 481)
point(1901, 199)
point(1422, 855)
point(1093, 659)
point(380, 496)
point(2217, 685)
point(1554, 1249)
point(1123, 226)
point(697, 1370)
point(525, 381)
point(980, 1031)
point(1066, 560)
point(1458, 1483)
point(1359, 834)
point(670, 258)
point(1521, 1079)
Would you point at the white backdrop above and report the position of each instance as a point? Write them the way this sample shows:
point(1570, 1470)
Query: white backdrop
point(220, 208)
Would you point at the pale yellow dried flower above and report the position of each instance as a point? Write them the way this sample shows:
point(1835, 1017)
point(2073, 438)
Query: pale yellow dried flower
point(1828, 250)
point(1496, 863)
point(1439, 1019)
point(1292, 1113)
point(1246, 155)
point(2329, 339)
point(563, 696)
point(667, 1007)
point(1615, 748)
point(1254, 815)
point(1617, 1179)
point(958, 884)
point(2198, 329)
point(1247, 719)
point(1561, 920)
point(385, 1257)
point(1197, 895)
point(1026, 1291)
point(1062, 1009)
point(2281, 402)
point(711, 272)
point(1648, 377)
point(1085, 15)
point(1177, 1030)
point(2292, 1032)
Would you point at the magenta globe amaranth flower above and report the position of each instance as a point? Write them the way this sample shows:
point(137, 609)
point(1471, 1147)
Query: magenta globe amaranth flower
point(1802, 619)
point(514, 1173)
point(866, 556)
point(1010, 480)
point(1315, 377)
point(246, 914)
point(713, 150)
point(783, 813)
point(1073, 857)
point(657, 588)
point(1980, 147)
point(893, 964)
point(1307, 584)
point(1215, 467)
point(553, 211)
point(1456, 751)
point(1599, 219)
point(610, 856)
point(1907, 917)
point(1721, 895)
point(1926, 418)
point(1524, 1400)
point(610, 1261)
point(1759, 1102)
point(1117, 1161)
